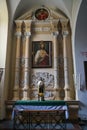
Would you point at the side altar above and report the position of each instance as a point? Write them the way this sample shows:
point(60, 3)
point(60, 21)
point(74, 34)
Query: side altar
point(43, 114)
point(55, 31)
point(73, 107)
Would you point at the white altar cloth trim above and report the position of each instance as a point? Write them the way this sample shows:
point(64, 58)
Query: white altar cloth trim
point(40, 108)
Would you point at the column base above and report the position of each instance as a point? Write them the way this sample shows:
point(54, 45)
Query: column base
point(25, 98)
point(25, 93)
point(15, 99)
point(57, 98)
point(57, 94)
point(67, 99)
point(16, 95)
point(67, 93)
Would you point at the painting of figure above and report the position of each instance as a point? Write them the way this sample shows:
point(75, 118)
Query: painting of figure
point(42, 54)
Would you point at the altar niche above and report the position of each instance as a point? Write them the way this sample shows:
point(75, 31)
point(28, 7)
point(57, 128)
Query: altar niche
point(54, 65)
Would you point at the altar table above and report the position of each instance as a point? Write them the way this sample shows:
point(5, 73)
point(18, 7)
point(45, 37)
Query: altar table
point(35, 115)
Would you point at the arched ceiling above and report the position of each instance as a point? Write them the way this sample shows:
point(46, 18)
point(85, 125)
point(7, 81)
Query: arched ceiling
point(70, 8)
point(21, 6)
point(55, 4)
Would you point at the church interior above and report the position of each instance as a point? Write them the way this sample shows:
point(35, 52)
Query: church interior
point(43, 43)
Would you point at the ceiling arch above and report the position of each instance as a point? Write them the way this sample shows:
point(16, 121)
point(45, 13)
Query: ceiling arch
point(30, 14)
point(19, 7)
point(64, 6)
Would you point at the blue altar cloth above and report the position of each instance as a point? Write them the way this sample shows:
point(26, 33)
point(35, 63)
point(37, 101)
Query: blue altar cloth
point(40, 106)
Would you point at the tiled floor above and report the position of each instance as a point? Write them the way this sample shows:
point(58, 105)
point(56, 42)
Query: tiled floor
point(83, 125)
point(9, 124)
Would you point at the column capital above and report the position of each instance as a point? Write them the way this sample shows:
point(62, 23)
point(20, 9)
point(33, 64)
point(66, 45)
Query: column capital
point(27, 22)
point(65, 33)
point(53, 24)
point(18, 26)
point(55, 34)
point(27, 34)
point(18, 22)
point(64, 27)
point(18, 34)
point(27, 26)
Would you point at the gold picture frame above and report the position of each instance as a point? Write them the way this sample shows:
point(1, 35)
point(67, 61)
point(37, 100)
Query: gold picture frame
point(41, 54)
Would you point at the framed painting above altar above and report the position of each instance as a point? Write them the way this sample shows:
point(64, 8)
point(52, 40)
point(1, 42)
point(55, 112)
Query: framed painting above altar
point(41, 54)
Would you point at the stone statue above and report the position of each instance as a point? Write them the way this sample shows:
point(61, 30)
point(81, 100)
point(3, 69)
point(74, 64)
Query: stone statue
point(41, 88)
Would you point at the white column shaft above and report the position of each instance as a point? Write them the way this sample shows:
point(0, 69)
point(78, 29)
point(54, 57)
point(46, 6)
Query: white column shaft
point(17, 69)
point(56, 76)
point(17, 66)
point(65, 63)
point(26, 67)
point(66, 76)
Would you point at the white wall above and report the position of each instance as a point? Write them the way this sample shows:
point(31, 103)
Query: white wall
point(80, 48)
point(3, 32)
point(75, 10)
point(3, 47)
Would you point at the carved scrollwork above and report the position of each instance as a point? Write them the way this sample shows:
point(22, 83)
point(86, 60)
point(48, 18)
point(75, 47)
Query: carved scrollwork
point(47, 78)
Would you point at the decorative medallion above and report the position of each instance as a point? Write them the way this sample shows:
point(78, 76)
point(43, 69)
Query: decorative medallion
point(41, 14)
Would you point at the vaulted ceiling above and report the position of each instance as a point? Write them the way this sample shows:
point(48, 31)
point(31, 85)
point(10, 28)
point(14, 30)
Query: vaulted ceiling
point(18, 7)
point(70, 8)
point(63, 5)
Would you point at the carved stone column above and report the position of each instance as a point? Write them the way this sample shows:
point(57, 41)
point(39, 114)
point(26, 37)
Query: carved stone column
point(56, 69)
point(17, 66)
point(66, 76)
point(26, 57)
